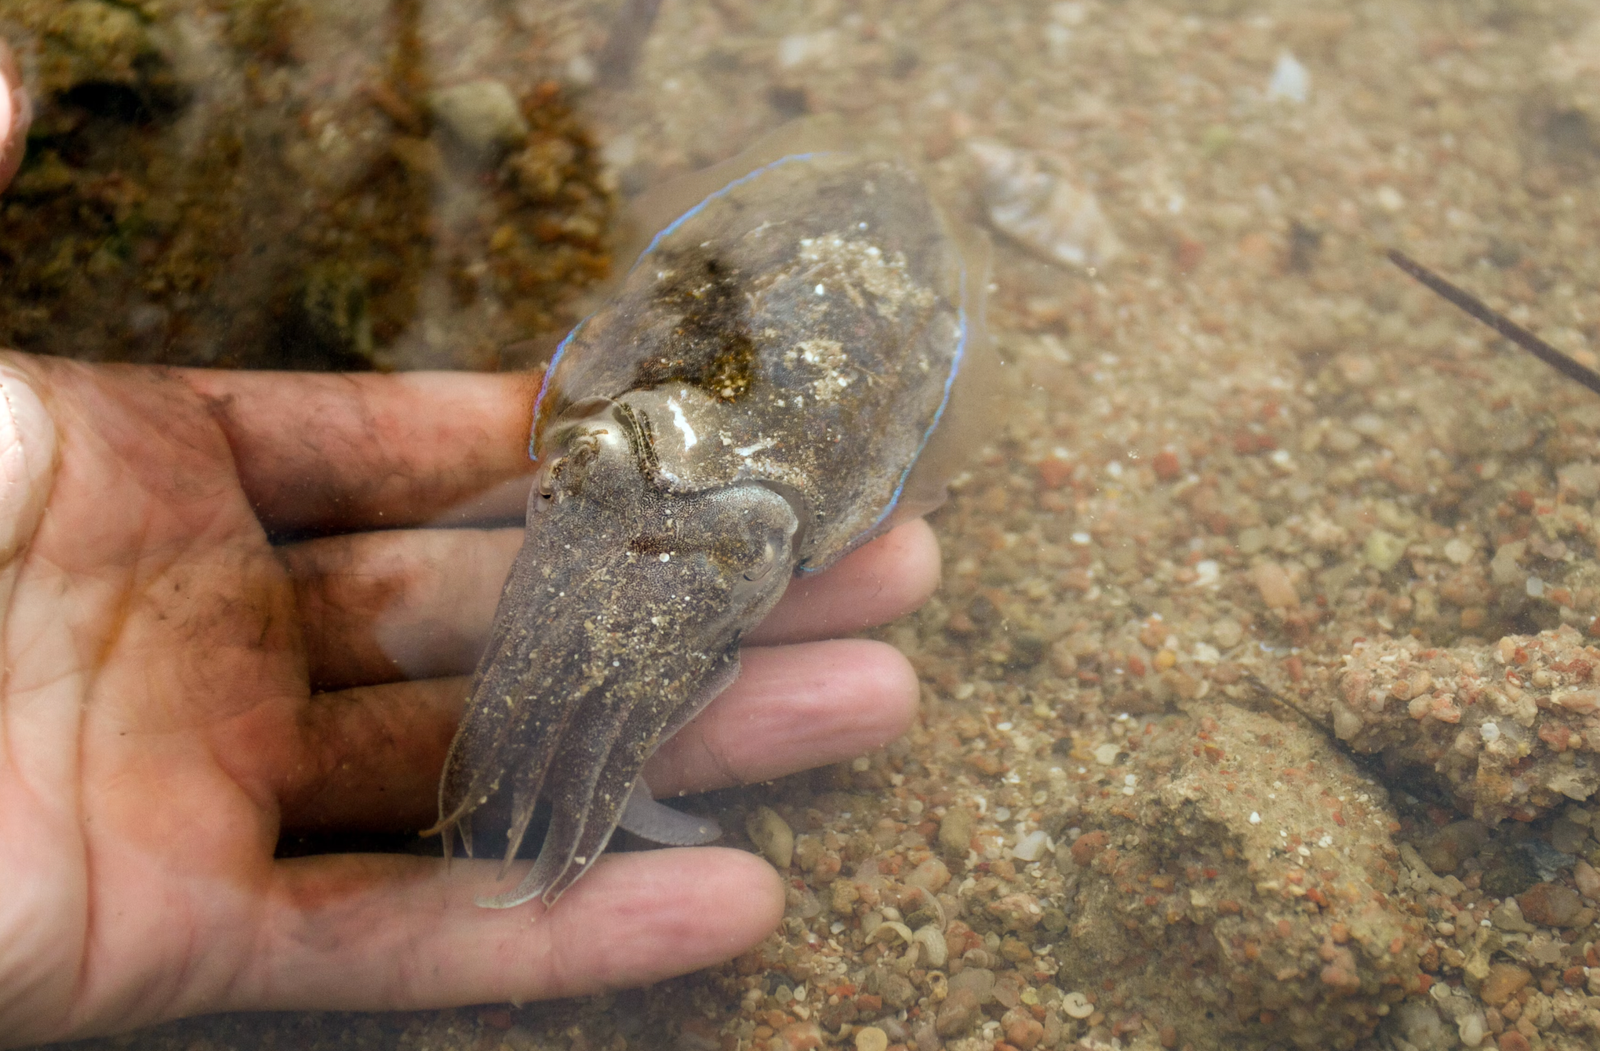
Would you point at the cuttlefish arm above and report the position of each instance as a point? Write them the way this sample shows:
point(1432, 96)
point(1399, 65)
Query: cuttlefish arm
point(620, 621)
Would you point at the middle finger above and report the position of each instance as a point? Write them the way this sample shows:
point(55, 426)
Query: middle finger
point(372, 755)
point(411, 604)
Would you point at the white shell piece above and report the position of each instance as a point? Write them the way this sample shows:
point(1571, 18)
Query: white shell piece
point(1031, 198)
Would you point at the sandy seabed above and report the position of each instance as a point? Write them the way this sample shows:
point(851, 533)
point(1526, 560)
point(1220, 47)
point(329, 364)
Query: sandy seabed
point(1258, 705)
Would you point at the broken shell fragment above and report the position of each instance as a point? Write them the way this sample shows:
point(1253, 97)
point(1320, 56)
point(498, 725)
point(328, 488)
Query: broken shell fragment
point(1032, 199)
point(1077, 1005)
point(892, 927)
point(935, 952)
point(772, 836)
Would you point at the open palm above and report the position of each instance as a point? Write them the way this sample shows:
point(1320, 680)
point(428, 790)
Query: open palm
point(177, 690)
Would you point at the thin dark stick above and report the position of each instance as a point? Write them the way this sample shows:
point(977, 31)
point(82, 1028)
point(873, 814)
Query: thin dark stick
point(630, 27)
point(1499, 322)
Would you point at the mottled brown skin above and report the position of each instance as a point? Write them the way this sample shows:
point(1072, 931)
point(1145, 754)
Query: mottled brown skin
point(748, 407)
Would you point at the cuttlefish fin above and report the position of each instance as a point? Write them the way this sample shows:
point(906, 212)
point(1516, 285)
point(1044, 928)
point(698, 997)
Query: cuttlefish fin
point(555, 870)
point(645, 817)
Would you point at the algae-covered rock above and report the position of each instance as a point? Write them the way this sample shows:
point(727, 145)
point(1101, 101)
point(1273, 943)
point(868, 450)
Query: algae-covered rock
point(92, 41)
point(1510, 730)
point(260, 183)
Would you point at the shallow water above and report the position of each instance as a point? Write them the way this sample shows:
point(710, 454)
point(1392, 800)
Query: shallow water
point(1240, 453)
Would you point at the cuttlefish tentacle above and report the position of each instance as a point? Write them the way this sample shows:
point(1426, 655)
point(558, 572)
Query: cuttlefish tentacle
point(613, 794)
point(508, 738)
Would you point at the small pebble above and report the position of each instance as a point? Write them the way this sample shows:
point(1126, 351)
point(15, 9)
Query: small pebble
point(1383, 550)
point(1507, 916)
point(1582, 479)
point(959, 1010)
point(1276, 589)
point(1549, 904)
point(1587, 879)
point(872, 1039)
point(1343, 440)
point(800, 1036)
point(1584, 702)
point(1505, 980)
point(482, 114)
point(955, 831)
point(1088, 846)
point(1227, 633)
point(1389, 199)
point(1291, 81)
point(1511, 1040)
point(1024, 1033)
point(931, 875)
point(772, 836)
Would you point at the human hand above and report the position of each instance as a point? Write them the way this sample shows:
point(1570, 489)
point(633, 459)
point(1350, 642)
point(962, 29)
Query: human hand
point(15, 114)
point(177, 691)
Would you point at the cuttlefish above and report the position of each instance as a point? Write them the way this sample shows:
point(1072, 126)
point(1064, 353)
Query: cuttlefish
point(753, 403)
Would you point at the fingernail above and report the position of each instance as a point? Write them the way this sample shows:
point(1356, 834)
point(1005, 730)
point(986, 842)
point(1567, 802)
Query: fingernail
point(21, 104)
point(16, 114)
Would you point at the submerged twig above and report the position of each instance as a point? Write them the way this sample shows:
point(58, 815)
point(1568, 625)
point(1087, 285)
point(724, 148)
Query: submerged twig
point(629, 29)
point(1273, 695)
point(1499, 322)
point(1370, 762)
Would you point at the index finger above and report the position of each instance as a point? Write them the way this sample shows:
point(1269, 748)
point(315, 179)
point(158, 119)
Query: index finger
point(333, 452)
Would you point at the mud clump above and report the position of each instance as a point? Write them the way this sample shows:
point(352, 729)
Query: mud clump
point(1248, 883)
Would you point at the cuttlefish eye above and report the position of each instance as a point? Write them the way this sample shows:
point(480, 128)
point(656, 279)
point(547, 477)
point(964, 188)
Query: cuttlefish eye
point(546, 481)
point(769, 557)
point(545, 489)
point(583, 453)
